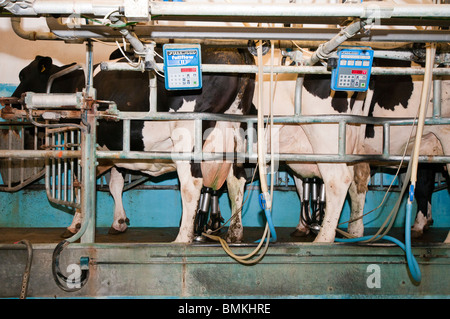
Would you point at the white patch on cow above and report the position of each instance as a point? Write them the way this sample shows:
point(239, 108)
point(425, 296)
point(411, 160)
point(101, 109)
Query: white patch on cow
point(235, 188)
point(419, 224)
point(156, 136)
point(234, 107)
point(96, 71)
point(116, 184)
point(187, 106)
point(76, 222)
point(190, 189)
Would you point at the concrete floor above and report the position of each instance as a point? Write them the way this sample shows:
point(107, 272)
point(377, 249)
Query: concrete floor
point(167, 235)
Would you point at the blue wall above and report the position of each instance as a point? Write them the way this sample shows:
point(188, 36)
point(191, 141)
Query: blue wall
point(162, 208)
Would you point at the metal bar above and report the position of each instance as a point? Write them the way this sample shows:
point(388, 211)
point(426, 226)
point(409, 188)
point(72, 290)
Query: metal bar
point(250, 138)
point(22, 146)
point(59, 177)
point(246, 33)
point(225, 68)
point(53, 100)
point(72, 167)
point(386, 138)
point(126, 135)
point(88, 179)
point(298, 95)
point(53, 161)
point(27, 182)
point(363, 10)
point(342, 138)
point(60, 74)
point(153, 92)
point(437, 97)
point(9, 160)
point(241, 157)
point(39, 154)
point(35, 146)
point(65, 170)
point(306, 119)
point(217, 11)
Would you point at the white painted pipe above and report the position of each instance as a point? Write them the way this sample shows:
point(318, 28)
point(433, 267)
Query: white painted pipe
point(364, 10)
point(100, 8)
point(226, 68)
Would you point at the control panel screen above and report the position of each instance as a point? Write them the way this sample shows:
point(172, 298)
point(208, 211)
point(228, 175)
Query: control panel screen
point(352, 72)
point(182, 66)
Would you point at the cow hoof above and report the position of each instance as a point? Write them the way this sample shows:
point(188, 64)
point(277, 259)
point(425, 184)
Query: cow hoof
point(113, 231)
point(416, 233)
point(300, 233)
point(126, 221)
point(233, 240)
point(67, 234)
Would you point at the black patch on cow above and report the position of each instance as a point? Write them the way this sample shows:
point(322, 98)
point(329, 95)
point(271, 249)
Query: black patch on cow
point(239, 171)
point(196, 170)
point(425, 186)
point(319, 85)
point(34, 78)
point(389, 90)
point(339, 101)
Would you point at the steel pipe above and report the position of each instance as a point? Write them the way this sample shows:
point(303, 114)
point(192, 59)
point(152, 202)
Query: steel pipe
point(242, 157)
point(241, 33)
point(53, 100)
point(30, 35)
point(217, 11)
point(225, 68)
point(39, 154)
point(378, 10)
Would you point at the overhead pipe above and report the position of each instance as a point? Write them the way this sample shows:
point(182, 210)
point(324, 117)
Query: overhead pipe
point(363, 10)
point(218, 11)
point(324, 50)
point(210, 33)
point(30, 35)
point(238, 68)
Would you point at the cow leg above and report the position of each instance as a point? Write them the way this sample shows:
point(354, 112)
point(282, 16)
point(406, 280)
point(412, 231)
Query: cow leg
point(116, 184)
point(337, 179)
point(357, 191)
point(447, 240)
point(190, 188)
point(356, 225)
point(423, 193)
point(74, 226)
point(236, 186)
point(301, 230)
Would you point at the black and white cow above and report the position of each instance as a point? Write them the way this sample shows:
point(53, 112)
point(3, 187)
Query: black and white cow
point(221, 93)
point(426, 178)
point(317, 98)
point(399, 96)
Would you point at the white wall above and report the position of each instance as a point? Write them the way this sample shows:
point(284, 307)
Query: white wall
point(16, 53)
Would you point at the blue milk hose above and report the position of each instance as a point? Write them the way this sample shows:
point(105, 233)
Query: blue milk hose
point(406, 247)
point(267, 212)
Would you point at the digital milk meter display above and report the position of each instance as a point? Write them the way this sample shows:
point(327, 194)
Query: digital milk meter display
point(352, 72)
point(182, 66)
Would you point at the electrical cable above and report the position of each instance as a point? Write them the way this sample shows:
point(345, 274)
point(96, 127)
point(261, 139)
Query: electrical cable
point(26, 274)
point(62, 281)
